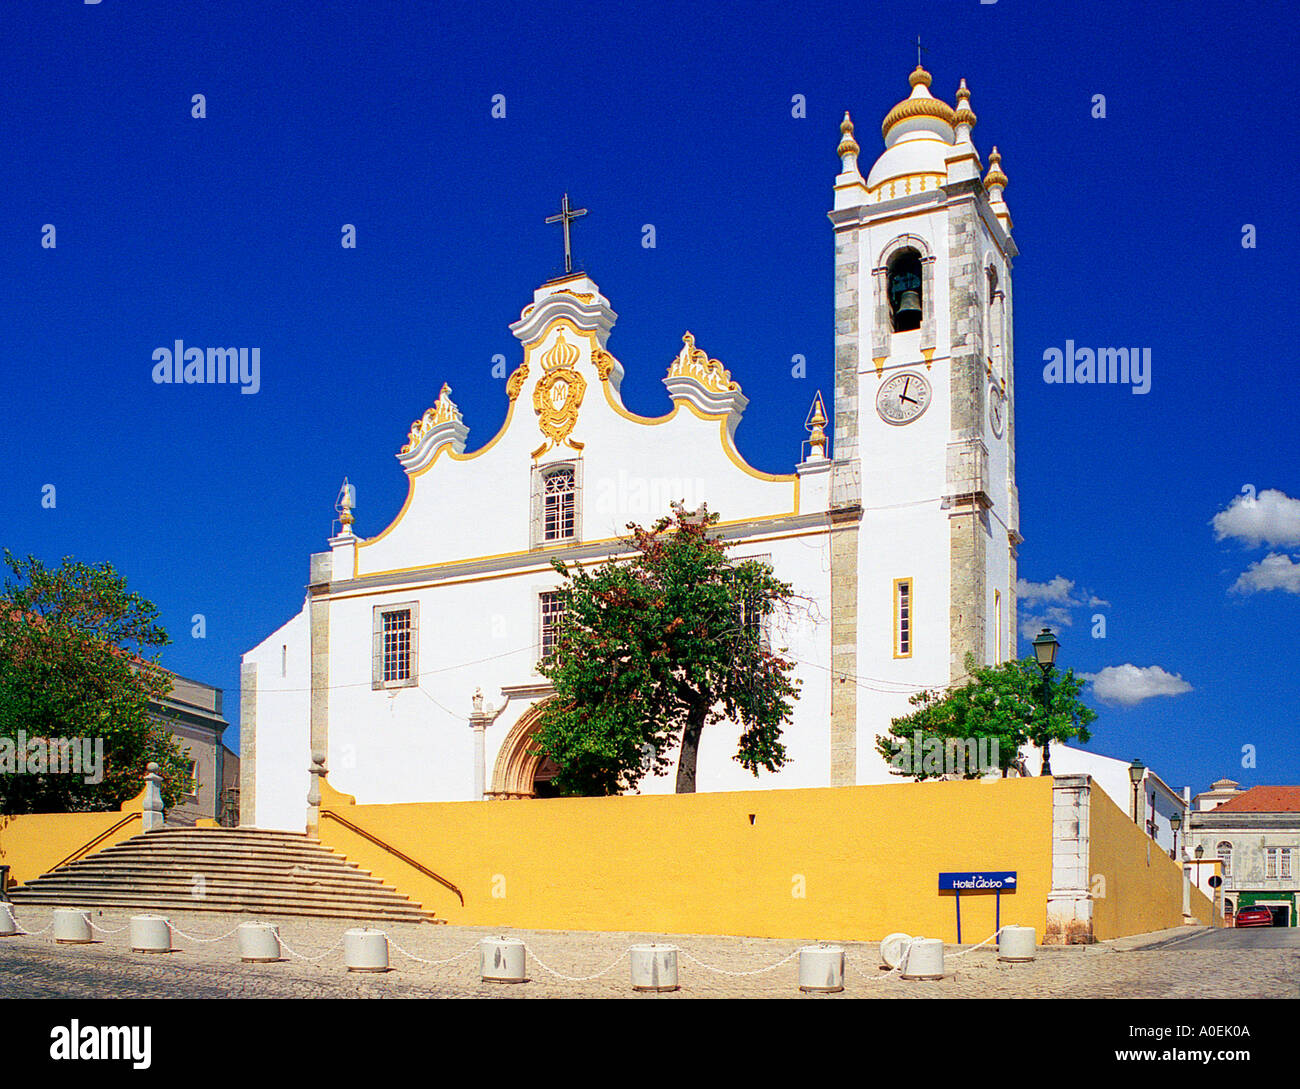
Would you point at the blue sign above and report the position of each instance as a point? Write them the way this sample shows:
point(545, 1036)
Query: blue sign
point(992, 881)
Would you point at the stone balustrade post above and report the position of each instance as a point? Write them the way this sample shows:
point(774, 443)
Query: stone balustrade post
point(152, 818)
point(318, 772)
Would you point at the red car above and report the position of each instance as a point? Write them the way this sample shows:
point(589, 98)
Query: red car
point(1256, 916)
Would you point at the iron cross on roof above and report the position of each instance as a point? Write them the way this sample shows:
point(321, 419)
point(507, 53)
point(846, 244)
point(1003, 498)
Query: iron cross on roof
point(567, 214)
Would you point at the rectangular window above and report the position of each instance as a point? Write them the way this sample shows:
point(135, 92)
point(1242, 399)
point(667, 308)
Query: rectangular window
point(750, 617)
point(997, 626)
point(551, 609)
point(395, 646)
point(192, 781)
point(903, 609)
point(1277, 861)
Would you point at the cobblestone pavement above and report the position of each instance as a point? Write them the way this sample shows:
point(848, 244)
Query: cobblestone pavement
point(33, 966)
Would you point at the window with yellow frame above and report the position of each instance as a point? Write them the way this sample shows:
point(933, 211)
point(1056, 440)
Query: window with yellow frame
point(904, 610)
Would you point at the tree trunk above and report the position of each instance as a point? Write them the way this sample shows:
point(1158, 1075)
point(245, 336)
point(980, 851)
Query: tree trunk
point(690, 752)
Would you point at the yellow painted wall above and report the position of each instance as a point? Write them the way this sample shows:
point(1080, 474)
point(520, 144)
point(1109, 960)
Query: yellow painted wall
point(34, 843)
point(1143, 886)
point(867, 859)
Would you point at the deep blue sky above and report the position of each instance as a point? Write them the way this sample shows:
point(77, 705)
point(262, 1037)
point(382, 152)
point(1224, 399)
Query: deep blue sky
point(225, 231)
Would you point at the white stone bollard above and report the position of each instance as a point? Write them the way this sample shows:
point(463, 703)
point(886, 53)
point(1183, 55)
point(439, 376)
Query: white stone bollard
point(72, 927)
point(150, 934)
point(924, 959)
point(502, 960)
point(259, 943)
point(892, 948)
point(1016, 944)
point(821, 968)
point(654, 967)
point(8, 924)
point(365, 950)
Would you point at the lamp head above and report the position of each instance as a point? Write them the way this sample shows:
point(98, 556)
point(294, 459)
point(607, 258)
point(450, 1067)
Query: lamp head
point(1045, 648)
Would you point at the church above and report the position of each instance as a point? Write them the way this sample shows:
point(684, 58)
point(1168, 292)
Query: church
point(898, 528)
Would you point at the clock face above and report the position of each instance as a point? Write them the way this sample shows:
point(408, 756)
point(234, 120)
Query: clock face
point(997, 410)
point(903, 398)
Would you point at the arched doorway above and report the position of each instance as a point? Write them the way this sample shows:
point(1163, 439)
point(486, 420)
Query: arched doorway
point(521, 771)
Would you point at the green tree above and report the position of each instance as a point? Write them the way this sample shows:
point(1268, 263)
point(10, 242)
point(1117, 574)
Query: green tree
point(651, 650)
point(74, 646)
point(1002, 703)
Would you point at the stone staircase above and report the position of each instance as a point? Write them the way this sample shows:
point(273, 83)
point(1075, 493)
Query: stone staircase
point(242, 870)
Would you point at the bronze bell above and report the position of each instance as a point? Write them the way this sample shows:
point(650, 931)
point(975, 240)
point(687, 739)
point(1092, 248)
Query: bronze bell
point(909, 305)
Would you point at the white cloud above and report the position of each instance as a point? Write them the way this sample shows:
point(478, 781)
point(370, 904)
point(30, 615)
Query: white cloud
point(1054, 616)
point(1058, 591)
point(1271, 518)
point(1276, 571)
point(1128, 685)
point(1049, 604)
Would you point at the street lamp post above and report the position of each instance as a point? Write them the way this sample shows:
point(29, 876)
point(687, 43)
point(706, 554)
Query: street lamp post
point(1045, 648)
point(1175, 822)
point(1136, 772)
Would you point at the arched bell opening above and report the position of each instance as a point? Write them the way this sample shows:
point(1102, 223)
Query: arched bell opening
point(904, 281)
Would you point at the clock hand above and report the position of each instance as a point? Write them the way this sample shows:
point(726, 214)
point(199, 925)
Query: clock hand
point(910, 400)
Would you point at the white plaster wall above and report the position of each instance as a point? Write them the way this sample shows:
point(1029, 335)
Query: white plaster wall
point(283, 725)
point(415, 744)
point(905, 531)
point(1112, 776)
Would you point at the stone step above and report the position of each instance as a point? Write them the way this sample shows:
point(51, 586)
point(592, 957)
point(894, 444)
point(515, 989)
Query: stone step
point(196, 858)
point(244, 870)
point(233, 907)
point(168, 880)
point(159, 871)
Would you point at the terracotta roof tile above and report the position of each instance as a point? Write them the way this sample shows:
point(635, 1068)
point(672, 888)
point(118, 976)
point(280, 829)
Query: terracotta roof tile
point(1264, 799)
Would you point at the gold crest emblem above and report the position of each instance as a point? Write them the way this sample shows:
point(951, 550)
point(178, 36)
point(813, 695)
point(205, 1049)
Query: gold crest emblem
point(557, 397)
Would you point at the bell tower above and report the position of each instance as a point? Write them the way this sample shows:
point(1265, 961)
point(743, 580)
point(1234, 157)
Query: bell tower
point(925, 514)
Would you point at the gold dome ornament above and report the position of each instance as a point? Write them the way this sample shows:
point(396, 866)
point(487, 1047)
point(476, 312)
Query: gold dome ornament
point(964, 115)
point(848, 145)
point(995, 178)
point(920, 104)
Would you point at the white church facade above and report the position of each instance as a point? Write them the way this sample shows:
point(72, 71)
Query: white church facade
point(899, 534)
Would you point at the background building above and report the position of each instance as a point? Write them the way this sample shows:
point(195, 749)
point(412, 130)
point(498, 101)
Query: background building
point(1256, 837)
point(192, 713)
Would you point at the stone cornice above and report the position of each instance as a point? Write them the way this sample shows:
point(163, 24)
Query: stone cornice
point(540, 559)
point(1215, 820)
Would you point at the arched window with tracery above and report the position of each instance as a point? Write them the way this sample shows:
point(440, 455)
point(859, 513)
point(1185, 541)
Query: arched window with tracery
point(559, 516)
